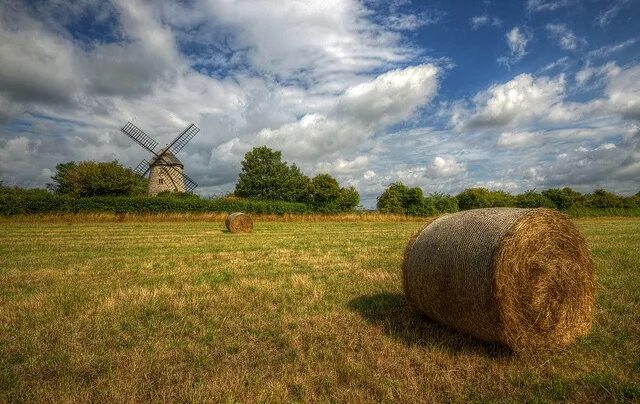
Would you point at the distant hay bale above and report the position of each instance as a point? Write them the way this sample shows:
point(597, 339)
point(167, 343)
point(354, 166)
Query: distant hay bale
point(239, 223)
point(523, 277)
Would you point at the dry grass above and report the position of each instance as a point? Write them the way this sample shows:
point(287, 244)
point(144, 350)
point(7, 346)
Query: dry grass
point(204, 217)
point(184, 311)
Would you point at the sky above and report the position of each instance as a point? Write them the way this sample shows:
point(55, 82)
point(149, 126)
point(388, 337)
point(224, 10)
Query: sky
point(442, 95)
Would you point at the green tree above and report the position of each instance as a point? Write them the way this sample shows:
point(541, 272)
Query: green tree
point(90, 178)
point(604, 199)
point(390, 202)
point(348, 199)
point(325, 193)
point(400, 199)
point(532, 199)
point(296, 186)
point(444, 203)
point(328, 197)
point(265, 176)
point(561, 198)
point(474, 198)
point(59, 185)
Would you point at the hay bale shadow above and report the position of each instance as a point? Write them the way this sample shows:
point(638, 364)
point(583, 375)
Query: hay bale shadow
point(401, 321)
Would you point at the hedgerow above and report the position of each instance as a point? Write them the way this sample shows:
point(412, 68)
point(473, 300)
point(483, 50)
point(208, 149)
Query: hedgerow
point(20, 201)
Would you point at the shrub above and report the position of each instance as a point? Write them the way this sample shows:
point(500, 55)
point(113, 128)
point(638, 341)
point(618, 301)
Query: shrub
point(602, 199)
point(562, 199)
point(19, 201)
point(400, 199)
point(474, 198)
point(444, 203)
point(90, 178)
point(532, 199)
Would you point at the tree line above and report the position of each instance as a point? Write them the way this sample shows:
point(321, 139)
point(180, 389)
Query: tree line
point(265, 177)
point(400, 199)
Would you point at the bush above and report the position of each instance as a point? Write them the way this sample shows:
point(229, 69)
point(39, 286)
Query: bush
point(400, 199)
point(90, 178)
point(532, 199)
point(602, 199)
point(474, 198)
point(444, 203)
point(562, 199)
point(19, 201)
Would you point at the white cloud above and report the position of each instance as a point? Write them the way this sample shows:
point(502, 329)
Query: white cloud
point(561, 63)
point(316, 42)
point(610, 49)
point(606, 165)
point(623, 93)
point(342, 166)
point(516, 139)
point(359, 113)
point(444, 167)
point(565, 37)
point(517, 40)
point(369, 175)
point(411, 22)
point(479, 21)
point(546, 5)
point(606, 17)
point(517, 102)
point(36, 66)
point(600, 73)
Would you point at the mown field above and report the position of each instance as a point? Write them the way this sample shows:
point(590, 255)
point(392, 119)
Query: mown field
point(296, 311)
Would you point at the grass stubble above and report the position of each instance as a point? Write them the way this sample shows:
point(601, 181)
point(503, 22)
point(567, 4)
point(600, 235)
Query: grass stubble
point(180, 310)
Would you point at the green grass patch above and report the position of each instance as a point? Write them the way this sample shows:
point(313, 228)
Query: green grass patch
point(296, 311)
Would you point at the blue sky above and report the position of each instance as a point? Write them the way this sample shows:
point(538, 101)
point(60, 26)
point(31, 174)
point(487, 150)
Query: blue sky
point(444, 95)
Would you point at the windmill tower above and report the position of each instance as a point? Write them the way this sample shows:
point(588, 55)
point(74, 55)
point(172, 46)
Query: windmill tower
point(165, 170)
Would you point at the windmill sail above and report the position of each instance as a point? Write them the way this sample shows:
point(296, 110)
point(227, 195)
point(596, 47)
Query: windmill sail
point(139, 136)
point(142, 168)
point(179, 179)
point(183, 138)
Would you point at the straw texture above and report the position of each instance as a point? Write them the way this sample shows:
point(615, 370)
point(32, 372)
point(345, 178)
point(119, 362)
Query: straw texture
point(239, 223)
point(523, 277)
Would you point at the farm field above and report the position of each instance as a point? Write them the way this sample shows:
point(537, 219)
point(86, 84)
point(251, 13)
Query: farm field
point(296, 311)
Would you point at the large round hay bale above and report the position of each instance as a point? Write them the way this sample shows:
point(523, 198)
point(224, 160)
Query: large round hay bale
point(523, 277)
point(239, 223)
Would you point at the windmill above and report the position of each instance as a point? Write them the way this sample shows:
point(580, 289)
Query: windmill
point(165, 170)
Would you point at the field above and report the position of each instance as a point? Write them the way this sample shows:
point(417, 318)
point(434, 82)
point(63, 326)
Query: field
point(296, 311)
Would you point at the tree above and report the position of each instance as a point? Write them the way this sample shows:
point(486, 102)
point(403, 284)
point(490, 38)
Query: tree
point(296, 186)
point(265, 176)
point(400, 199)
point(604, 199)
point(392, 200)
point(444, 203)
point(59, 184)
point(328, 197)
point(90, 178)
point(474, 198)
point(561, 198)
point(532, 199)
point(348, 199)
point(325, 193)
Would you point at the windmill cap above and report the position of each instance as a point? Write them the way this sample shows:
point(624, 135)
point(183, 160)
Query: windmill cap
point(168, 159)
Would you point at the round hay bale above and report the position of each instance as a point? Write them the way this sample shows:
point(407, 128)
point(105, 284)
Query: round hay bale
point(522, 277)
point(239, 223)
